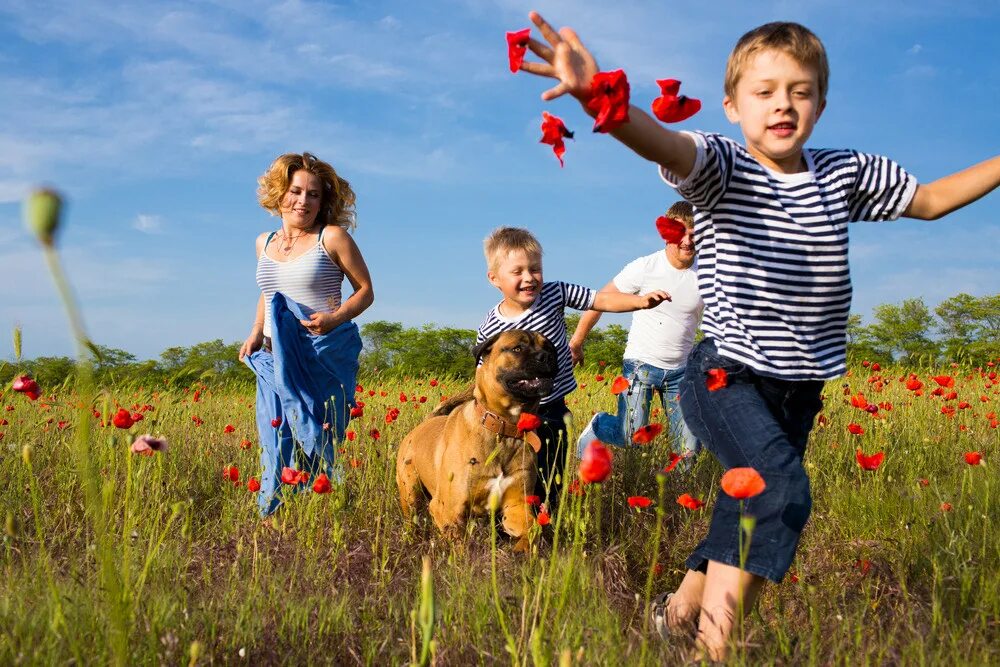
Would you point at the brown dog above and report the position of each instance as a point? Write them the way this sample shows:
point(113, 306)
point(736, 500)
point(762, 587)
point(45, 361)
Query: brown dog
point(471, 448)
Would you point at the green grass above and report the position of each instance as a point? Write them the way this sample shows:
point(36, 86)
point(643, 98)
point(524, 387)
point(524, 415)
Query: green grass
point(336, 578)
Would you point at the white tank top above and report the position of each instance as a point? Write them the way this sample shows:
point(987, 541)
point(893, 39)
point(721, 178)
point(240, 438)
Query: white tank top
point(312, 280)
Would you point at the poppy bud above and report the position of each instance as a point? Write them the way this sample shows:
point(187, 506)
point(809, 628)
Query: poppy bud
point(41, 214)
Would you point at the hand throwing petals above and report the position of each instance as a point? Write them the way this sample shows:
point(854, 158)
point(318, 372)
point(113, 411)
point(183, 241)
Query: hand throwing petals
point(517, 44)
point(609, 93)
point(671, 107)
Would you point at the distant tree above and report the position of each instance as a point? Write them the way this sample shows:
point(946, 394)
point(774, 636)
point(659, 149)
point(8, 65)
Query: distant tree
point(970, 327)
point(378, 341)
point(904, 330)
point(862, 344)
point(605, 344)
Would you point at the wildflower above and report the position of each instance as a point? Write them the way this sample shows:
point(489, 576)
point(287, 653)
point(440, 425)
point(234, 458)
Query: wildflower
point(598, 378)
point(862, 565)
point(670, 230)
point(322, 484)
point(528, 422)
point(619, 385)
point(229, 428)
point(856, 429)
point(253, 486)
point(351, 435)
point(717, 379)
point(553, 132)
point(122, 419)
point(355, 463)
point(964, 405)
point(533, 500)
point(859, 401)
point(231, 474)
point(945, 381)
point(609, 93)
point(41, 214)
point(946, 507)
point(147, 445)
point(375, 434)
point(276, 422)
point(923, 481)
point(639, 501)
point(25, 385)
point(690, 502)
point(741, 483)
point(914, 384)
point(869, 462)
point(973, 458)
point(402, 397)
point(357, 412)
point(595, 466)
point(670, 107)
point(674, 460)
point(245, 444)
point(517, 45)
point(543, 518)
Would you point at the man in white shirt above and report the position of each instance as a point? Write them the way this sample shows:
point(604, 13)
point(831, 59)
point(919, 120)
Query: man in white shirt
point(659, 341)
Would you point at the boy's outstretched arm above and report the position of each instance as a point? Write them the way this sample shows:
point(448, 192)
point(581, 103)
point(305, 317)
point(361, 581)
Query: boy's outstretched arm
point(620, 302)
point(587, 322)
point(568, 61)
point(941, 197)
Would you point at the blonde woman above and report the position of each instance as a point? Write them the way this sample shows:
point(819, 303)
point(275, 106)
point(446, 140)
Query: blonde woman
point(304, 346)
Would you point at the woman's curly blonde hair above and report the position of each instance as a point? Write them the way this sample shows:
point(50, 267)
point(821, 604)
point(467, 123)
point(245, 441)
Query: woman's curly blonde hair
point(337, 203)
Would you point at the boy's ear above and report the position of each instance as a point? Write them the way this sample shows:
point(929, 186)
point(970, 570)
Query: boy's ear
point(729, 106)
point(492, 277)
point(820, 109)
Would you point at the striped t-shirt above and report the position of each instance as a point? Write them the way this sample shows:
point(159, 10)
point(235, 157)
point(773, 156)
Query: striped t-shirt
point(312, 280)
point(546, 316)
point(772, 250)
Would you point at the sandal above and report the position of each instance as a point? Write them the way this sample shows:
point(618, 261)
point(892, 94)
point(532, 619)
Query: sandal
point(658, 614)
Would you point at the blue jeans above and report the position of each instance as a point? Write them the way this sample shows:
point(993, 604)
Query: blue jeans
point(633, 409)
point(758, 422)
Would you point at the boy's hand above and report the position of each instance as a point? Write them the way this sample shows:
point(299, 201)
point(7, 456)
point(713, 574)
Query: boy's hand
point(653, 299)
point(568, 60)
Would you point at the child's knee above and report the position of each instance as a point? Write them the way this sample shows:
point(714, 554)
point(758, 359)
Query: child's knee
point(798, 500)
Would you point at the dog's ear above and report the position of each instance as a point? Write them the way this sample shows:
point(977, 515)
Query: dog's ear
point(483, 349)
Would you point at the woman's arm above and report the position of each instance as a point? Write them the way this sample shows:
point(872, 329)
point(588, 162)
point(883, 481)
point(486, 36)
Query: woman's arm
point(256, 337)
point(346, 254)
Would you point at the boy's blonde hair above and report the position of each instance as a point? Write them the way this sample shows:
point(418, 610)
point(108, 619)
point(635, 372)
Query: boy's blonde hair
point(506, 239)
point(791, 38)
point(683, 211)
point(337, 202)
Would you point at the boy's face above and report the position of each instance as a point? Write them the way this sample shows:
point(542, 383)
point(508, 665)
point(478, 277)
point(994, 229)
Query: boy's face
point(518, 275)
point(776, 104)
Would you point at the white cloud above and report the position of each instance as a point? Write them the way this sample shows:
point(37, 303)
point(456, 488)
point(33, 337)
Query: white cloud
point(915, 49)
point(148, 224)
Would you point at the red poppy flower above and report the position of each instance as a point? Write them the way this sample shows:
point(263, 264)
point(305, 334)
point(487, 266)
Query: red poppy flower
point(876, 367)
point(197, 396)
point(595, 466)
point(598, 378)
point(533, 500)
point(245, 444)
point(231, 474)
point(674, 460)
point(913, 383)
point(543, 518)
point(945, 381)
point(253, 485)
point(670, 107)
point(741, 483)
point(856, 429)
point(923, 481)
point(357, 412)
point(946, 507)
point(322, 484)
point(619, 385)
point(25, 385)
point(276, 422)
point(351, 435)
point(375, 434)
point(517, 45)
point(964, 405)
point(528, 422)
point(717, 379)
point(609, 92)
point(869, 462)
point(645, 435)
point(289, 475)
point(859, 401)
point(122, 419)
point(433, 383)
point(948, 410)
point(639, 501)
point(690, 502)
point(951, 396)
point(973, 458)
point(553, 133)
point(938, 392)
point(862, 565)
point(137, 417)
point(229, 428)
point(670, 229)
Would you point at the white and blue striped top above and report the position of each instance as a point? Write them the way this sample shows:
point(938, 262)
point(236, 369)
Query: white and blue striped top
point(772, 250)
point(312, 280)
point(547, 316)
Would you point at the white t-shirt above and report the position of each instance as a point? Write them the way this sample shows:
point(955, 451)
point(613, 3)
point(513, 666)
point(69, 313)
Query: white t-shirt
point(662, 336)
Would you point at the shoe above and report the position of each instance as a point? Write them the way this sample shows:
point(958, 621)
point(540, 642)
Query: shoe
point(658, 614)
point(586, 437)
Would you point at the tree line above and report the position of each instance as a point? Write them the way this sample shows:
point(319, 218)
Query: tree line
point(963, 328)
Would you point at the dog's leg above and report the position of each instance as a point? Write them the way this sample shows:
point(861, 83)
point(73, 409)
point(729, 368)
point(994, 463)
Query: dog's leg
point(518, 517)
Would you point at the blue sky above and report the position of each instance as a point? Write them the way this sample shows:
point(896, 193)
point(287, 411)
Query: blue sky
point(155, 119)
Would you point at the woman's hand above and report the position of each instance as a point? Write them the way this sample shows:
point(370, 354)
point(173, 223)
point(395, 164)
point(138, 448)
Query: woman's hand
point(253, 343)
point(321, 323)
point(568, 60)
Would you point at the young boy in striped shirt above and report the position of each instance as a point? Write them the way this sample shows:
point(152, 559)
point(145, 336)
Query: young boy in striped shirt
point(514, 266)
point(771, 228)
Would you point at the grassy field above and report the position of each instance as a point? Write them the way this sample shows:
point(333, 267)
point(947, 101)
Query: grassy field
point(110, 557)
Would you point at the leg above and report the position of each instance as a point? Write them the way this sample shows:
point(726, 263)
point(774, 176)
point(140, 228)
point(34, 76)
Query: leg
point(633, 403)
point(552, 455)
point(729, 595)
point(682, 439)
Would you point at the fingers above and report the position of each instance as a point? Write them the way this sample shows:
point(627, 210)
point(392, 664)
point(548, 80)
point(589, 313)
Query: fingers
point(555, 91)
point(550, 35)
point(541, 50)
point(540, 69)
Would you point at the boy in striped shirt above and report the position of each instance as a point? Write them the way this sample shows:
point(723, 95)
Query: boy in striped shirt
point(771, 228)
point(514, 266)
